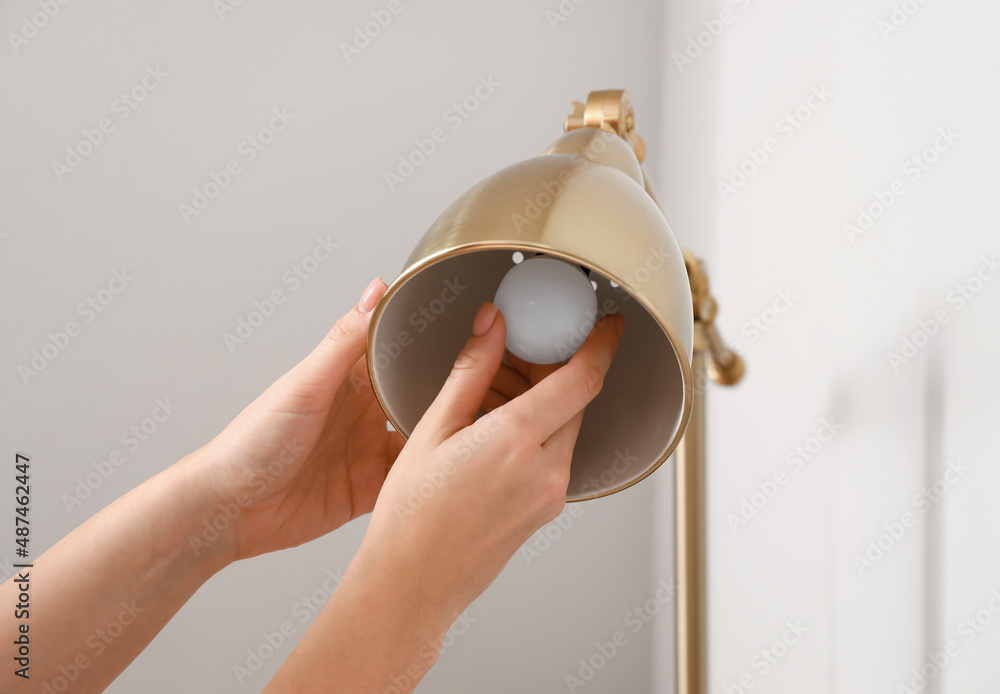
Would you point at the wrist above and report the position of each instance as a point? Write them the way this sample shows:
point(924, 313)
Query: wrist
point(404, 589)
point(209, 527)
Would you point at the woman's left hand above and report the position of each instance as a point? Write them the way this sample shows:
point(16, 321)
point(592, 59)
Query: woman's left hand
point(306, 456)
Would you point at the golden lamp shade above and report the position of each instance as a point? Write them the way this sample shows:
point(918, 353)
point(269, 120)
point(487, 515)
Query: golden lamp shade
point(582, 201)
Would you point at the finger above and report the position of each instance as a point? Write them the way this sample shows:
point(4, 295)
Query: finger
point(563, 440)
point(509, 382)
point(330, 362)
point(520, 365)
point(539, 372)
point(533, 372)
point(561, 395)
point(559, 447)
point(494, 400)
point(458, 402)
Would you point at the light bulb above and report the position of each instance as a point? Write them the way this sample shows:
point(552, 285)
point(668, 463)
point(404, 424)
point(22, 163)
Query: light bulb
point(549, 307)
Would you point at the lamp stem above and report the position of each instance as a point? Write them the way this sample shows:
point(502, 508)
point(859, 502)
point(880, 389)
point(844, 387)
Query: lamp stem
point(692, 644)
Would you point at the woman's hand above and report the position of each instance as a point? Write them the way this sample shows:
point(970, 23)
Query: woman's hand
point(466, 493)
point(306, 456)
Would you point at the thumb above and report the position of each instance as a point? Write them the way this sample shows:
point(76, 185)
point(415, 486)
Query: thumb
point(331, 361)
point(462, 394)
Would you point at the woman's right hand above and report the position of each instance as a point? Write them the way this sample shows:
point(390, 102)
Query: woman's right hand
point(465, 494)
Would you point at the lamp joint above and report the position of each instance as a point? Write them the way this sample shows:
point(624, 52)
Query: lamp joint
point(610, 110)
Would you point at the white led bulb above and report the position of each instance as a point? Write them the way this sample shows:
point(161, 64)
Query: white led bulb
point(549, 307)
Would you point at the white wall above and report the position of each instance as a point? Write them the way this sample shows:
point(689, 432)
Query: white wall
point(826, 355)
point(162, 337)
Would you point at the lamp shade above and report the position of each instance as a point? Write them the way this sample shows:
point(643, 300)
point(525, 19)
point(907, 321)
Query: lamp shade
point(583, 202)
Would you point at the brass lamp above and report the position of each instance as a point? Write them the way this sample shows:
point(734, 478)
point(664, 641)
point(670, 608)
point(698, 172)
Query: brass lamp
point(586, 201)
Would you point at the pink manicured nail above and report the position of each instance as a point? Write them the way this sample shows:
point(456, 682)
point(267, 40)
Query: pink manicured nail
point(484, 319)
point(371, 296)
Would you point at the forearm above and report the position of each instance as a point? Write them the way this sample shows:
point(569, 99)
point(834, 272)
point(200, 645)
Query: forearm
point(100, 595)
point(379, 632)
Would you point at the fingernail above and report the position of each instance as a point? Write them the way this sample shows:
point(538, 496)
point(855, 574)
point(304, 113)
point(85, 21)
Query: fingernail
point(620, 324)
point(484, 319)
point(371, 296)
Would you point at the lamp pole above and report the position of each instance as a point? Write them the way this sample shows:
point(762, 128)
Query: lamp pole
point(692, 584)
point(710, 359)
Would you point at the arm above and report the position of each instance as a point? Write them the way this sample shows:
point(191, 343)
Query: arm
point(101, 594)
point(304, 458)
